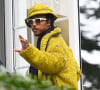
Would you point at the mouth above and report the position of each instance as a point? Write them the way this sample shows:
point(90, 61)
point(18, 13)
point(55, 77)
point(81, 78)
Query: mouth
point(34, 29)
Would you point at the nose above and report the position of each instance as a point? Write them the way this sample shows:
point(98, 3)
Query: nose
point(33, 24)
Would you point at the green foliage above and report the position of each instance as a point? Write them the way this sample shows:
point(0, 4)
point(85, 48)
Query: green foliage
point(13, 81)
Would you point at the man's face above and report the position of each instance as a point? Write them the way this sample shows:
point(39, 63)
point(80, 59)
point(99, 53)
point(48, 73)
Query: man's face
point(40, 27)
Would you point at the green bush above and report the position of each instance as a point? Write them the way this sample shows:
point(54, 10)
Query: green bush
point(13, 81)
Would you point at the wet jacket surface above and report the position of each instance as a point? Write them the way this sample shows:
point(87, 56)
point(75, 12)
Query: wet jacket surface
point(54, 60)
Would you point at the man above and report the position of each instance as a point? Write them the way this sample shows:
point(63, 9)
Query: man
point(52, 57)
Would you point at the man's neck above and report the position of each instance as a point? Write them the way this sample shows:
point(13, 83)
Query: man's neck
point(47, 31)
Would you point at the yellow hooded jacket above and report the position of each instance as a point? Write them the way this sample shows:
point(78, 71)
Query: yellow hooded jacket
point(54, 59)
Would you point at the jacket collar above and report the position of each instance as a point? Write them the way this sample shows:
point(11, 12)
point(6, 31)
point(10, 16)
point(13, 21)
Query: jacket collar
point(47, 37)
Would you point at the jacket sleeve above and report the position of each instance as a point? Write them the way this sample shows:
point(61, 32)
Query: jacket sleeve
point(47, 62)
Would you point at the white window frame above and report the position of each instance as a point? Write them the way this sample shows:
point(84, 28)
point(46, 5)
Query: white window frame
point(9, 36)
point(74, 38)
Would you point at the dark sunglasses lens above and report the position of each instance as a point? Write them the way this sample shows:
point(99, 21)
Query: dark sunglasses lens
point(37, 20)
point(30, 22)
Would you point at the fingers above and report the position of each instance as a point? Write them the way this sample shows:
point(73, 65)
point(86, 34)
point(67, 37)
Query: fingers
point(20, 37)
point(17, 50)
point(24, 42)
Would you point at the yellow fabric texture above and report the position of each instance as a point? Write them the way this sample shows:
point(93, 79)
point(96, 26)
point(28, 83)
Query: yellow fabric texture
point(39, 9)
point(57, 61)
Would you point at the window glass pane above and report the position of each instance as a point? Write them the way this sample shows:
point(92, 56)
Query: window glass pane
point(20, 12)
point(60, 7)
point(57, 5)
point(18, 60)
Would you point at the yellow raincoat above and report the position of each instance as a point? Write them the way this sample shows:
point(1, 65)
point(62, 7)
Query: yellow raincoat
point(54, 59)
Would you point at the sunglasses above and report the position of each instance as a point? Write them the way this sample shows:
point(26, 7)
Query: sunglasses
point(36, 20)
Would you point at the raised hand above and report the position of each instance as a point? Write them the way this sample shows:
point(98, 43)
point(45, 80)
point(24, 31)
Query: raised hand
point(24, 44)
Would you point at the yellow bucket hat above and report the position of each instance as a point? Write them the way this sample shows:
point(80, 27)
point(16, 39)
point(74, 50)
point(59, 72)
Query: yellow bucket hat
point(39, 9)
